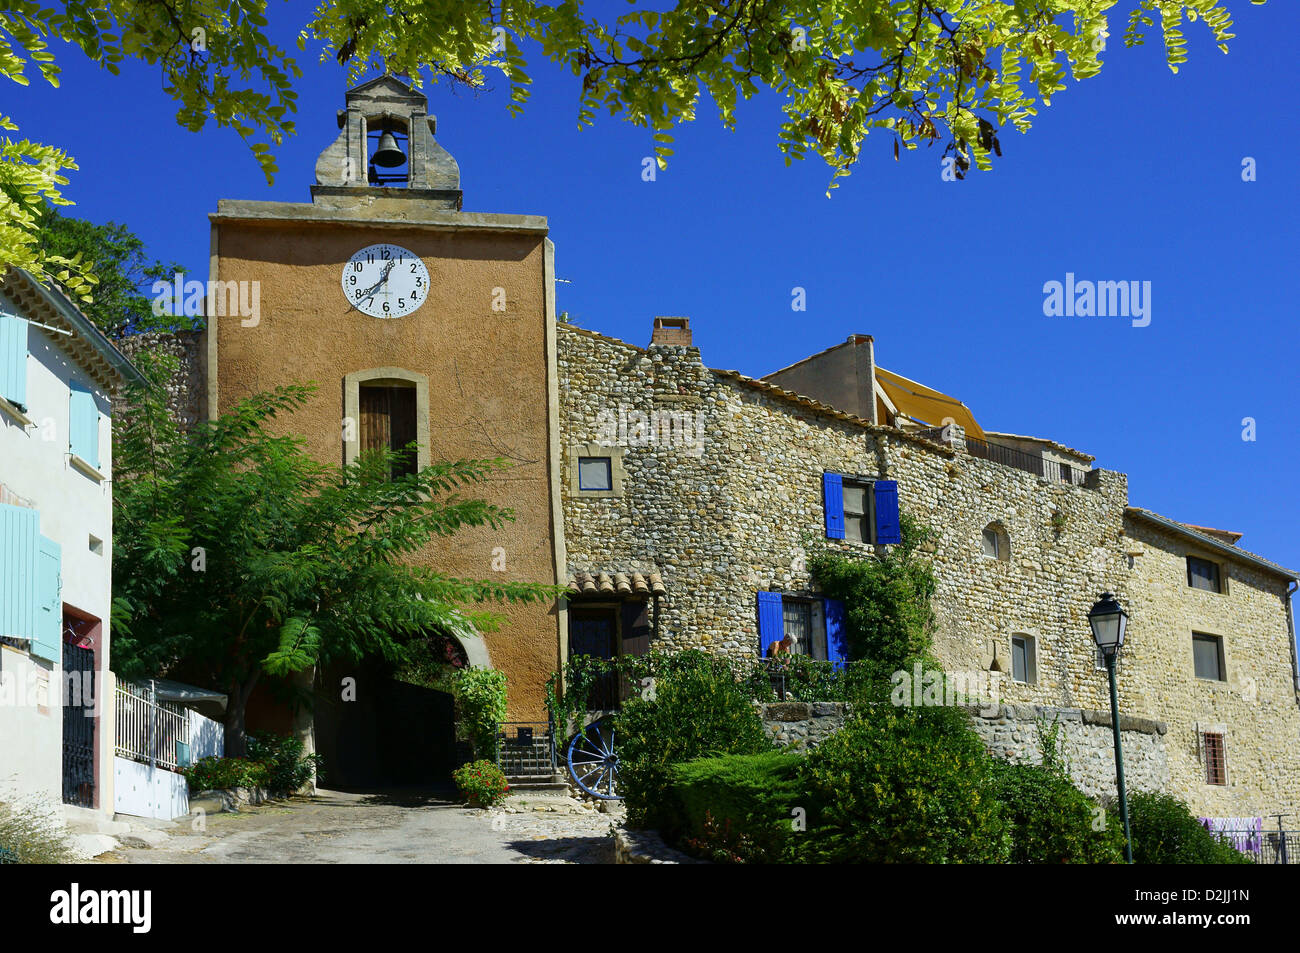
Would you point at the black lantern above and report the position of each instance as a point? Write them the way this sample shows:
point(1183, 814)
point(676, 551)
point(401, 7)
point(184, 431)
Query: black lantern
point(1109, 621)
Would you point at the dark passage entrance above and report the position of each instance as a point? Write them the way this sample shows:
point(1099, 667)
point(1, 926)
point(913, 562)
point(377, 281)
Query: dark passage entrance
point(79, 722)
point(393, 734)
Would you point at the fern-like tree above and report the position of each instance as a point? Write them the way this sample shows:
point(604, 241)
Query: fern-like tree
point(237, 556)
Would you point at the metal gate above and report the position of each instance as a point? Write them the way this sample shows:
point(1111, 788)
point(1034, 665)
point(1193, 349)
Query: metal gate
point(79, 720)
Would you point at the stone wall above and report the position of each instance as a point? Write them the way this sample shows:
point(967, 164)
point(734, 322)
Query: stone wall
point(801, 726)
point(736, 509)
point(1086, 743)
point(186, 389)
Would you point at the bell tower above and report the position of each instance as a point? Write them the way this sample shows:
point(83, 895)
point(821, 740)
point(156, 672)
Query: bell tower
point(385, 148)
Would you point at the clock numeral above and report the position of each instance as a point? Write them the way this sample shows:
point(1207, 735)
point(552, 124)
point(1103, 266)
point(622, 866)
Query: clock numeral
point(356, 266)
point(385, 307)
point(412, 268)
point(419, 282)
point(386, 254)
point(415, 296)
point(352, 279)
point(360, 292)
point(370, 259)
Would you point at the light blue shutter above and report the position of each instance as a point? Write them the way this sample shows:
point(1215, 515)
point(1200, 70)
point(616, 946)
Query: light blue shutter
point(888, 529)
point(833, 495)
point(83, 424)
point(13, 359)
point(837, 648)
point(49, 607)
point(771, 621)
point(19, 533)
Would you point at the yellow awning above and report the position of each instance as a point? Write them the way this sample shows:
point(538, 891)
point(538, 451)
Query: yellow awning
point(926, 405)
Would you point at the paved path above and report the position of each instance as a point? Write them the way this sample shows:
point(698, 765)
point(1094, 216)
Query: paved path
point(335, 827)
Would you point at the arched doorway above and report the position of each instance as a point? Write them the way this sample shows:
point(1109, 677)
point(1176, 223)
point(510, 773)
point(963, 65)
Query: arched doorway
point(380, 724)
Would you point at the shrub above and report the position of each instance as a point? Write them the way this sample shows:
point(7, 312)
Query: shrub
point(29, 835)
point(907, 785)
point(697, 709)
point(214, 774)
point(287, 769)
point(481, 704)
point(737, 808)
point(1165, 832)
point(481, 782)
point(275, 763)
point(1051, 821)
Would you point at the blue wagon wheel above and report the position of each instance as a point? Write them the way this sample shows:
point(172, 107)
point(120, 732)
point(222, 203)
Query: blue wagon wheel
point(593, 760)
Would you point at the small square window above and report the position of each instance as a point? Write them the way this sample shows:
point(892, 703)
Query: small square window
point(1207, 656)
point(1024, 664)
point(595, 473)
point(1203, 574)
point(991, 543)
point(96, 545)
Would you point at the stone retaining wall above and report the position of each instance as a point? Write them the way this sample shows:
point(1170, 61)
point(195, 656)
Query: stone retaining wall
point(800, 726)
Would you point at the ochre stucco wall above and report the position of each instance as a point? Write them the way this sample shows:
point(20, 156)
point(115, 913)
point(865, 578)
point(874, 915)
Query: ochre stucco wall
point(487, 383)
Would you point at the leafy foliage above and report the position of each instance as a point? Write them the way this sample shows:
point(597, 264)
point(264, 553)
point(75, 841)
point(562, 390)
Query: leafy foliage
point(921, 72)
point(481, 782)
point(219, 774)
point(1165, 832)
point(958, 71)
point(889, 620)
point(481, 706)
point(697, 708)
point(1053, 822)
point(124, 274)
point(237, 555)
point(737, 808)
point(274, 762)
point(903, 785)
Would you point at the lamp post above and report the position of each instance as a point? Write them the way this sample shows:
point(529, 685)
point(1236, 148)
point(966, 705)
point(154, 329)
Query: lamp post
point(1109, 622)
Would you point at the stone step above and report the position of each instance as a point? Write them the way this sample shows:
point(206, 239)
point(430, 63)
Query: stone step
point(92, 845)
point(85, 820)
point(533, 788)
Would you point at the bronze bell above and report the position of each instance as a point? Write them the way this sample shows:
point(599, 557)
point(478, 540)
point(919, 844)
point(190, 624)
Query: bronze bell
point(388, 154)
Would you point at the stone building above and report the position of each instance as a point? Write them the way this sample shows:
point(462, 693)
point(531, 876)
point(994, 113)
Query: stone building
point(678, 502)
point(719, 483)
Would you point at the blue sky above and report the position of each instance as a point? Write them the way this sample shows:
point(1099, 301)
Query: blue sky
point(1133, 175)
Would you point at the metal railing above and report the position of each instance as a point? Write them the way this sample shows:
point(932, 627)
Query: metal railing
point(150, 731)
point(1262, 845)
point(1029, 462)
point(526, 749)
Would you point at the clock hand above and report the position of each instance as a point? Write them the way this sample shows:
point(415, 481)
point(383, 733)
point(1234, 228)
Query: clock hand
point(370, 292)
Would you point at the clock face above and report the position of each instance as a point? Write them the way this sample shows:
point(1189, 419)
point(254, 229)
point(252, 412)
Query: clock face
point(385, 281)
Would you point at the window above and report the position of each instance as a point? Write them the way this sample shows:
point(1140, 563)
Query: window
point(388, 423)
point(13, 360)
point(1024, 664)
point(813, 626)
point(797, 616)
point(595, 470)
point(1207, 656)
point(995, 543)
point(386, 407)
point(1203, 574)
point(595, 473)
point(1216, 757)
point(861, 510)
point(858, 523)
point(83, 423)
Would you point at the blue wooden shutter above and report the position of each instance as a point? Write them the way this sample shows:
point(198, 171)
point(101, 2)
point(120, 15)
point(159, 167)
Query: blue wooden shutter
point(83, 424)
point(837, 649)
point(47, 642)
point(19, 532)
point(887, 525)
point(771, 621)
point(13, 359)
point(833, 494)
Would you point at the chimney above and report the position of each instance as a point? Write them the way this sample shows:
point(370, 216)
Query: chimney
point(671, 331)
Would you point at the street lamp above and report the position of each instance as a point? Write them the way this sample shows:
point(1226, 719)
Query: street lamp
point(1109, 622)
